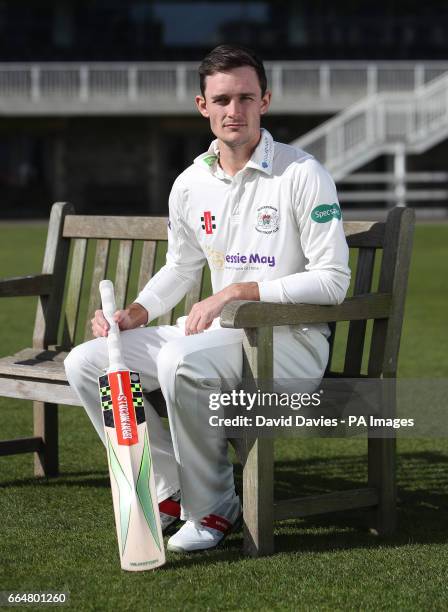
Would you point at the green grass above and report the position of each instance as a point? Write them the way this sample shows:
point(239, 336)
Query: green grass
point(58, 534)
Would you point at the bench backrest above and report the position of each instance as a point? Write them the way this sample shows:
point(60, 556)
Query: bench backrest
point(81, 250)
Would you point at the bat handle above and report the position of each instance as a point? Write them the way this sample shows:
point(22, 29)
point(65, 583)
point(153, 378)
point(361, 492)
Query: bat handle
point(114, 348)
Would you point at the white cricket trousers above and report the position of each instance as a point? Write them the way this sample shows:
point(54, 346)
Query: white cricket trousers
point(191, 458)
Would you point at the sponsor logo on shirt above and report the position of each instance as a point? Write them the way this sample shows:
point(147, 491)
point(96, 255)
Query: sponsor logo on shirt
point(215, 258)
point(252, 258)
point(268, 220)
point(326, 212)
point(266, 152)
point(208, 222)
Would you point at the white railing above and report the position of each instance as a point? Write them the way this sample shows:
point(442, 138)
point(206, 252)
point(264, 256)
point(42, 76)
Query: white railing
point(298, 87)
point(381, 187)
point(378, 124)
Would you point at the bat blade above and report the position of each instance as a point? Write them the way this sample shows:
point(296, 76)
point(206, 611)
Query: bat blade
point(136, 510)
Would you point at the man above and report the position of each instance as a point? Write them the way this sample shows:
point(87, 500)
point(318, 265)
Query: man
point(266, 219)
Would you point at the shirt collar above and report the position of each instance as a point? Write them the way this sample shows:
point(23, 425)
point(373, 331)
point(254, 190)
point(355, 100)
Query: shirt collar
point(262, 157)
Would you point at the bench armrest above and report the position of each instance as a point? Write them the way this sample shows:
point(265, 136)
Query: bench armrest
point(240, 314)
point(37, 284)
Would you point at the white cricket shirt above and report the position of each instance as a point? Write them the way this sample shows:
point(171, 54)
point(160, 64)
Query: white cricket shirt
point(276, 222)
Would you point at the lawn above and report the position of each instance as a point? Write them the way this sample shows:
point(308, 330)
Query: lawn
point(58, 534)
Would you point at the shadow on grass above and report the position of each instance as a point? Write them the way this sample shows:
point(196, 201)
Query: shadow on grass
point(91, 479)
point(422, 505)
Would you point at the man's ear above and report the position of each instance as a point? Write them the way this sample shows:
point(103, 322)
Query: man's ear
point(202, 106)
point(265, 102)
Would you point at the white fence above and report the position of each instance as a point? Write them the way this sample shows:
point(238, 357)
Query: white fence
point(386, 187)
point(378, 124)
point(169, 87)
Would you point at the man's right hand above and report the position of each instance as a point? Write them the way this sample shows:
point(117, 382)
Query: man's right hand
point(131, 317)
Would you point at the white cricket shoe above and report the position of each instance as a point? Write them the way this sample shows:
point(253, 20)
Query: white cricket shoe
point(169, 510)
point(209, 531)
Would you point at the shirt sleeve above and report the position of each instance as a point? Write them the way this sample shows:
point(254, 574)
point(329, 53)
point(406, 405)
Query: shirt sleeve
point(318, 215)
point(184, 261)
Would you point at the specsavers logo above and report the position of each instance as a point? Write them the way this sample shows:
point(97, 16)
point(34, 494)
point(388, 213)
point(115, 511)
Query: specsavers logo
point(326, 212)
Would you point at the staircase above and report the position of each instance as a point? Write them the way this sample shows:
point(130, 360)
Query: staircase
point(384, 123)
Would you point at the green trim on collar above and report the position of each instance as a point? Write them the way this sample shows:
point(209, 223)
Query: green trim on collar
point(210, 160)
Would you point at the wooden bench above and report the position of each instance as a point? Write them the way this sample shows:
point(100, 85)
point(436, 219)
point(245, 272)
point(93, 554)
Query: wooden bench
point(63, 319)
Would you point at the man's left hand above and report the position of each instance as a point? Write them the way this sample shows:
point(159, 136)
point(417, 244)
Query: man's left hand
point(202, 314)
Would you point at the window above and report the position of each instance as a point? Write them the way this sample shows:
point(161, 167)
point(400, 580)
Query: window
point(198, 23)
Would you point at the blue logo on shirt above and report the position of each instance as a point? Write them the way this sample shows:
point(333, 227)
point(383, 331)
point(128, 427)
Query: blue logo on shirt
point(251, 259)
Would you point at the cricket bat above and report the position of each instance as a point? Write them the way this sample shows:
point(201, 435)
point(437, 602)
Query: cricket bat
point(136, 510)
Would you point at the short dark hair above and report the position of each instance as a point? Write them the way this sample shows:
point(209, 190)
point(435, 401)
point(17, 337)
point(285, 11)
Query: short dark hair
point(226, 57)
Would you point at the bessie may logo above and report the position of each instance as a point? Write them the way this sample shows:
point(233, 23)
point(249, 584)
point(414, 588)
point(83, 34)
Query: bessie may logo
point(251, 259)
point(326, 212)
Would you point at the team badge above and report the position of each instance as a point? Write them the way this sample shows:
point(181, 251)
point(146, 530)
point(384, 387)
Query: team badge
point(268, 220)
point(208, 222)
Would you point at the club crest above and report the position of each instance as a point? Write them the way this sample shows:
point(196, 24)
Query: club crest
point(268, 220)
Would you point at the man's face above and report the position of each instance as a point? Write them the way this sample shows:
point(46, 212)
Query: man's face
point(234, 105)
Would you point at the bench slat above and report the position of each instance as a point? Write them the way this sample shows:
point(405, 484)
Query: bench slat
point(33, 368)
point(165, 319)
point(56, 255)
point(99, 273)
point(37, 284)
point(147, 263)
point(359, 233)
point(193, 296)
point(74, 291)
point(241, 314)
point(21, 445)
point(357, 329)
point(123, 269)
point(35, 363)
point(39, 391)
point(119, 228)
point(326, 502)
point(364, 234)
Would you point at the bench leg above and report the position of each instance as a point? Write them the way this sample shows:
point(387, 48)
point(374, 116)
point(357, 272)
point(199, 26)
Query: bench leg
point(382, 477)
point(46, 462)
point(258, 498)
point(382, 465)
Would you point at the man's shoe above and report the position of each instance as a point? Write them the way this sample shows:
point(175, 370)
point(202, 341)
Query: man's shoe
point(209, 531)
point(170, 513)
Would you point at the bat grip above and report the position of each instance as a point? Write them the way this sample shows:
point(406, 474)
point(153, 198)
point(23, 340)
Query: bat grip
point(114, 347)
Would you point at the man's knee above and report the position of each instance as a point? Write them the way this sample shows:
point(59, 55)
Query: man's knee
point(83, 359)
point(74, 364)
point(168, 360)
point(177, 362)
point(73, 360)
